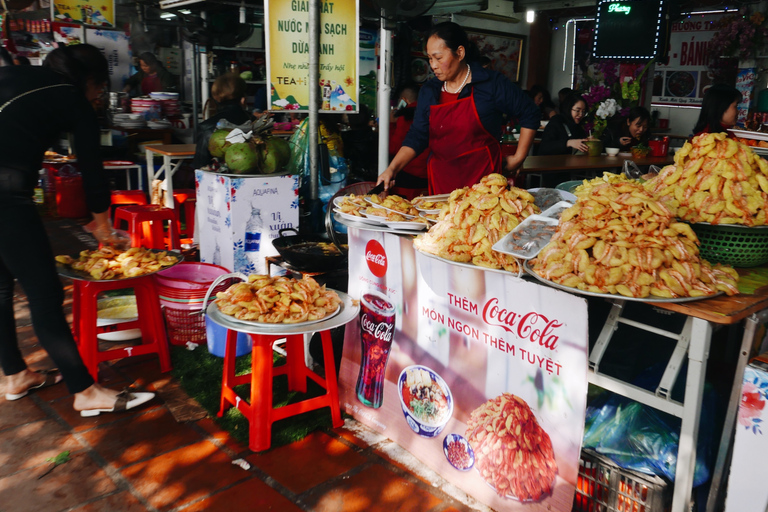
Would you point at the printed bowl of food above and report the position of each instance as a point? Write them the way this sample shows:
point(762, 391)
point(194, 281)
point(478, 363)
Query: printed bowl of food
point(458, 452)
point(426, 400)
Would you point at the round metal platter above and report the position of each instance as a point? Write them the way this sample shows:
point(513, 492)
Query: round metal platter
point(299, 324)
point(80, 275)
point(374, 227)
point(576, 291)
point(348, 310)
point(468, 265)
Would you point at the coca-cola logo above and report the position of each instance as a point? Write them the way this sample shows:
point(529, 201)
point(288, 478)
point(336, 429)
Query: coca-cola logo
point(530, 326)
point(376, 258)
point(379, 330)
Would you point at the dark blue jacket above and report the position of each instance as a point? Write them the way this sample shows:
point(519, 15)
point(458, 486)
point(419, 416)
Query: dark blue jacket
point(495, 95)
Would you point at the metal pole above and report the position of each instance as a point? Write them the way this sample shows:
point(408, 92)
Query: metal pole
point(204, 90)
point(383, 94)
point(314, 86)
point(195, 86)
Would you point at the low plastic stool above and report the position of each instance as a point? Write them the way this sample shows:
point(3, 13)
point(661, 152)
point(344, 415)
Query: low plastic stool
point(127, 197)
point(146, 226)
point(259, 412)
point(150, 322)
point(186, 198)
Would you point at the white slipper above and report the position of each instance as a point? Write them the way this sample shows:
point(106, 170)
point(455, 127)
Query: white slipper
point(126, 400)
point(51, 377)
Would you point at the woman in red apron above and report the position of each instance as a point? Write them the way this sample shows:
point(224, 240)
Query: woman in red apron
point(459, 117)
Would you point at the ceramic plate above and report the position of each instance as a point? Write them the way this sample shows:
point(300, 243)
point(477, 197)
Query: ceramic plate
point(456, 438)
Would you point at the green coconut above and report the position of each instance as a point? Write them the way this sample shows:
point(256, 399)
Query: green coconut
point(217, 144)
point(276, 154)
point(243, 158)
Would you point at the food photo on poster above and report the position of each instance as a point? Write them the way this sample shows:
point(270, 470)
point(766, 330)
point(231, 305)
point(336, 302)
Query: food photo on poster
point(480, 377)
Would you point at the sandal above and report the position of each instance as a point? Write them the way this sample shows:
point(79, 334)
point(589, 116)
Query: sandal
point(126, 400)
point(51, 377)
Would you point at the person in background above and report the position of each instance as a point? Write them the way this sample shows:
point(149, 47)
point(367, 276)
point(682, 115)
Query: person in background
point(562, 94)
point(627, 132)
point(412, 179)
point(228, 91)
point(540, 96)
point(39, 103)
point(718, 110)
point(152, 77)
point(565, 132)
point(459, 117)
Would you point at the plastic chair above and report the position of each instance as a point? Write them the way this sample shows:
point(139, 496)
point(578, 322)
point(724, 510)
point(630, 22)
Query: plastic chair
point(127, 197)
point(146, 226)
point(185, 198)
point(150, 323)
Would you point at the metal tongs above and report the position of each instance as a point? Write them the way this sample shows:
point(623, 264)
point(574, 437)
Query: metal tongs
point(213, 286)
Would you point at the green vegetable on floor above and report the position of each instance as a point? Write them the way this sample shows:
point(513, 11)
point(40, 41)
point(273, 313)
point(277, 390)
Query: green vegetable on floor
point(56, 461)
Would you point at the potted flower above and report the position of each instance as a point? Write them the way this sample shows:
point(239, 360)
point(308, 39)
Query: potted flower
point(640, 151)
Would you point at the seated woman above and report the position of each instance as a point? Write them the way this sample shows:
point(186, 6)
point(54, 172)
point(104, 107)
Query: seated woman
point(627, 132)
point(565, 133)
point(718, 109)
point(228, 91)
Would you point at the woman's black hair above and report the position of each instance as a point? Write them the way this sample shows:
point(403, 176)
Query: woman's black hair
point(78, 64)
point(640, 113)
point(454, 36)
point(716, 101)
point(567, 105)
point(150, 60)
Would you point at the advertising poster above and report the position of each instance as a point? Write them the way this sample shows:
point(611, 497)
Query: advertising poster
point(369, 64)
point(115, 46)
point(685, 78)
point(446, 357)
point(239, 218)
point(67, 33)
point(101, 14)
point(288, 55)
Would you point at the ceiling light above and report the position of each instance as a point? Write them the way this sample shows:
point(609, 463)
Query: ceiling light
point(529, 16)
point(167, 15)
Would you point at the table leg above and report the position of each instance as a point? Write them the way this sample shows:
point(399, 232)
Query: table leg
point(169, 170)
point(150, 157)
point(698, 352)
point(260, 420)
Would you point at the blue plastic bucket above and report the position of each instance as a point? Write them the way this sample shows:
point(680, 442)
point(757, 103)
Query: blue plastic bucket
point(217, 339)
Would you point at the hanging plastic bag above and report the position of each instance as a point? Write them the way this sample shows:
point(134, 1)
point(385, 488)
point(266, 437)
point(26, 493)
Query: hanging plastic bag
point(332, 168)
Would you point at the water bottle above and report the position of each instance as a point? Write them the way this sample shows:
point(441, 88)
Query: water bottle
point(217, 255)
point(253, 236)
point(39, 195)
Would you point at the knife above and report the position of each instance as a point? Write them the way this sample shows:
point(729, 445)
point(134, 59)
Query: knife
point(378, 189)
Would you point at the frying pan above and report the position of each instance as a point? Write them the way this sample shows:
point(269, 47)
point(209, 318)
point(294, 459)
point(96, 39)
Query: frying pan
point(305, 253)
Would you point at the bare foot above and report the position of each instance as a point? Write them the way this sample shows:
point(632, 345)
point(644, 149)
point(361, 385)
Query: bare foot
point(95, 397)
point(24, 380)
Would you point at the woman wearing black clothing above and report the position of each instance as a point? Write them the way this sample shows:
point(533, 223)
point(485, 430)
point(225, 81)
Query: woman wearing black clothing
point(565, 134)
point(627, 132)
point(718, 109)
point(36, 105)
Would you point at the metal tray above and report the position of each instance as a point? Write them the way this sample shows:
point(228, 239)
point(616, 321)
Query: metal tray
point(374, 227)
point(576, 291)
point(748, 134)
point(271, 324)
point(470, 265)
point(79, 275)
point(348, 310)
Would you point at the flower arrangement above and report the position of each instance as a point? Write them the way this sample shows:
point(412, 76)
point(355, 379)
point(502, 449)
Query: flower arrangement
point(608, 95)
point(739, 36)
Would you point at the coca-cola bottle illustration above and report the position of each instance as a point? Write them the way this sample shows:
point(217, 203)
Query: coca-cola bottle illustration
point(377, 328)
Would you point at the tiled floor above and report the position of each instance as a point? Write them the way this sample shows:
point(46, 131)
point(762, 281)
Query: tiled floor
point(144, 460)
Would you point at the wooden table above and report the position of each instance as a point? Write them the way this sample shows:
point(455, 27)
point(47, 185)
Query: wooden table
point(578, 162)
point(694, 341)
point(169, 152)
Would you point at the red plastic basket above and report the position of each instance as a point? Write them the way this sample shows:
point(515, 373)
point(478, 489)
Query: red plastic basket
point(183, 328)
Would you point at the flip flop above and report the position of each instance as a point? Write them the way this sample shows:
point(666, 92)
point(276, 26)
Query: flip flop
point(126, 400)
point(51, 377)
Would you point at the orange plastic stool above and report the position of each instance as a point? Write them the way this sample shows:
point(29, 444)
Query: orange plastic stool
point(150, 322)
point(259, 411)
point(126, 197)
point(186, 197)
point(146, 225)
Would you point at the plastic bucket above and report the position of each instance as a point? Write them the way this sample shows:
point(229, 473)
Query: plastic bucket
point(190, 276)
point(217, 340)
point(70, 197)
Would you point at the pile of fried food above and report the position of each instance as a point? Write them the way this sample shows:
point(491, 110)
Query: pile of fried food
point(425, 203)
point(276, 300)
point(715, 179)
point(512, 452)
point(110, 263)
point(352, 205)
point(475, 219)
point(397, 203)
point(618, 238)
point(753, 142)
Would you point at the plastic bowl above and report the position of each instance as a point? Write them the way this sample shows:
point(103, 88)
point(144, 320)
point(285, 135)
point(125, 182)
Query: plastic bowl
point(419, 426)
point(611, 151)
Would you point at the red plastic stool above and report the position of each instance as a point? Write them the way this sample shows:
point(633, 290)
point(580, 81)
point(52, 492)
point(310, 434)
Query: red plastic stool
point(150, 322)
point(186, 197)
point(146, 225)
point(126, 197)
point(259, 411)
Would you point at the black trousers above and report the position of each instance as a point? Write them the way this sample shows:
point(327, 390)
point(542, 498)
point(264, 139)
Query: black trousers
point(26, 256)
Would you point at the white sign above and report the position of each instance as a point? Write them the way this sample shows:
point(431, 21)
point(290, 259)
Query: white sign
point(114, 45)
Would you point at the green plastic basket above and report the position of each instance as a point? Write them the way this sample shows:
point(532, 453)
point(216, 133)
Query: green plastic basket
point(740, 246)
point(569, 186)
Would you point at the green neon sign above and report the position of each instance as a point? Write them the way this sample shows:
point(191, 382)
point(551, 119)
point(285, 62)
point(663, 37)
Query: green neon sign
point(619, 8)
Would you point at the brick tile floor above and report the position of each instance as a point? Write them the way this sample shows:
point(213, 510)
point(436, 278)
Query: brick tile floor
point(146, 461)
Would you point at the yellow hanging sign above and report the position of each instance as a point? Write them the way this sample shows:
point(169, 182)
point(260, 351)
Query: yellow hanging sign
point(100, 14)
point(287, 35)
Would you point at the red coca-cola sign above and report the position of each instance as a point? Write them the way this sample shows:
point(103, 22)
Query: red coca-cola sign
point(376, 258)
point(530, 326)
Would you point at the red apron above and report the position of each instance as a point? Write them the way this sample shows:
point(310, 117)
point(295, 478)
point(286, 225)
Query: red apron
point(462, 150)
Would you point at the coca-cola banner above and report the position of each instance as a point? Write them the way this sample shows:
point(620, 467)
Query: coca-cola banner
point(478, 373)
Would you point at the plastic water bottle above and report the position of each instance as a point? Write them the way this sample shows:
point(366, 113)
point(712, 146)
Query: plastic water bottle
point(253, 236)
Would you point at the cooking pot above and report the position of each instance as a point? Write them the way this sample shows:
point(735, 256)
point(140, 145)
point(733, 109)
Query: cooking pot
point(308, 252)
